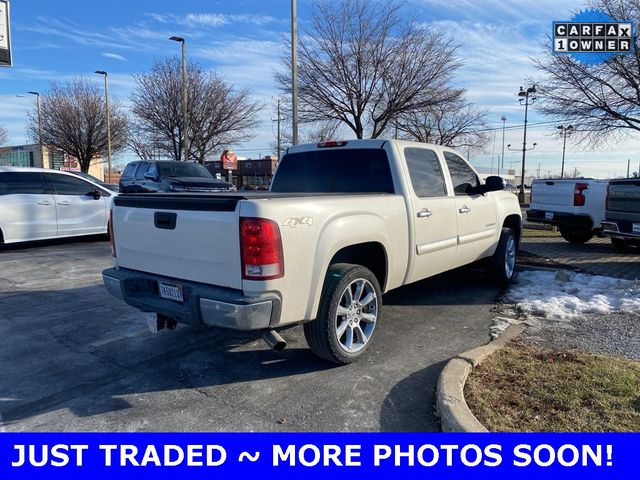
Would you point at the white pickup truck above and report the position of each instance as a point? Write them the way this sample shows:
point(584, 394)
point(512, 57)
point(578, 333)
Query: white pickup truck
point(344, 222)
point(576, 206)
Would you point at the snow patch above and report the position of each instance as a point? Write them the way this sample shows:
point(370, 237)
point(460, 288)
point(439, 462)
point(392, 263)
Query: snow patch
point(564, 295)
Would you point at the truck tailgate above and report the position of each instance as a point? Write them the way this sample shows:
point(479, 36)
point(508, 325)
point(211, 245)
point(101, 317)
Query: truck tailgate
point(553, 192)
point(179, 236)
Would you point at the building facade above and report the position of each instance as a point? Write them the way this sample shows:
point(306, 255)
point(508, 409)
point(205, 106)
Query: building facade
point(31, 156)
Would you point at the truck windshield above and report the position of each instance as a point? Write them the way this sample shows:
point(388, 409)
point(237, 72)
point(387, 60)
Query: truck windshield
point(182, 169)
point(334, 170)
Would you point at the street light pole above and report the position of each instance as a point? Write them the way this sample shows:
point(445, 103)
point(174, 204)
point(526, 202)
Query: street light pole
point(39, 127)
point(524, 97)
point(185, 96)
point(108, 113)
point(504, 120)
point(294, 72)
point(564, 131)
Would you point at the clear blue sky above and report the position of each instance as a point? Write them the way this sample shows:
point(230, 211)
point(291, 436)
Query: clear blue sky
point(242, 40)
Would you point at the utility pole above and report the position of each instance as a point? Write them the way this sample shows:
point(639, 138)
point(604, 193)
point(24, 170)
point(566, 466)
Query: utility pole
point(106, 101)
point(39, 127)
point(564, 131)
point(504, 120)
point(538, 170)
point(185, 97)
point(526, 100)
point(628, 166)
point(278, 130)
point(493, 153)
point(294, 72)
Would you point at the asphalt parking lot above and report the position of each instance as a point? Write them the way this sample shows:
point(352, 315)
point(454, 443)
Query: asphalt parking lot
point(75, 358)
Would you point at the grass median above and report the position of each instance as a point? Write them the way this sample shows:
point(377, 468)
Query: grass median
point(526, 388)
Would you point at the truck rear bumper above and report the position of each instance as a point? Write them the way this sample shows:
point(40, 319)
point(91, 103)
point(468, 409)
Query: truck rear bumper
point(619, 229)
point(560, 219)
point(203, 304)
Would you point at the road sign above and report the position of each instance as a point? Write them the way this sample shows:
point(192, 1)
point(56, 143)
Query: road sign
point(5, 43)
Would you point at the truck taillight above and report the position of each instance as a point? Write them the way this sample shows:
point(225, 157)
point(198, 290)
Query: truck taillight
point(260, 249)
point(578, 196)
point(112, 239)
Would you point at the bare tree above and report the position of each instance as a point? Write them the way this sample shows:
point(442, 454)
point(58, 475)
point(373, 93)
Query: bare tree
point(141, 142)
point(362, 64)
point(74, 120)
point(604, 99)
point(4, 136)
point(218, 113)
point(453, 123)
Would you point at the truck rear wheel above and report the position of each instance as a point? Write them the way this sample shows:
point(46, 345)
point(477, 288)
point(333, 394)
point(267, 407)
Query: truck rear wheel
point(623, 245)
point(501, 266)
point(573, 235)
point(348, 314)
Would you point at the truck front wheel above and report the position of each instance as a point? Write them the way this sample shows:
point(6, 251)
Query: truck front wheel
point(573, 235)
point(501, 266)
point(348, 314)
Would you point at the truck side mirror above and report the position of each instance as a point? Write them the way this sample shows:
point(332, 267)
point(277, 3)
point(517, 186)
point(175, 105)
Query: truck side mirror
point(494, 183)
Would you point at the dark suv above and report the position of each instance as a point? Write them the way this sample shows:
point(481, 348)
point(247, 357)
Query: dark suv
point(169, 176)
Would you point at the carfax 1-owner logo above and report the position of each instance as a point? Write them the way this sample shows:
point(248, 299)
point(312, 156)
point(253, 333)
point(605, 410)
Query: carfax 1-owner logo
point(592, 37)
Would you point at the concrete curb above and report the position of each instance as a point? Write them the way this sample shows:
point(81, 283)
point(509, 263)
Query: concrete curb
point(451, 406)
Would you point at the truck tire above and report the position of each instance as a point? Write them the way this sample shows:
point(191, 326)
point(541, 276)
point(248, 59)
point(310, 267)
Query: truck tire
point(573, 235)
point(623, 245)
point(501, 266)
point(347, 316)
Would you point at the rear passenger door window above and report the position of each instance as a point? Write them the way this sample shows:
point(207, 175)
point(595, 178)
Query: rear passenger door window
point(20, 183)
point(425, 172)
point(129, 170)
point(464, 179)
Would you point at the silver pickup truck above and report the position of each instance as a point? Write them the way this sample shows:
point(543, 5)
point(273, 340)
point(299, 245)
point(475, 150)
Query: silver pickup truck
point(344, 222)
point(622, 216)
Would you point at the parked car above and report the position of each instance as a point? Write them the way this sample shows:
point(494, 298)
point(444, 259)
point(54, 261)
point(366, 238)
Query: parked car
point(622, 216)
point(109, 186)
point(38, 204)
point(169, 176)
point(576, 206)
point(343, 223)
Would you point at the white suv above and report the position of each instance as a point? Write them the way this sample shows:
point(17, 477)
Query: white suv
point(38, 204)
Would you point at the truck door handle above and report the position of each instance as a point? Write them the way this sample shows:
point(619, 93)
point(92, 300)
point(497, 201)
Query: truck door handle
point(64, 202)
point(425, 213)
point(464, 209)
point(44, 202)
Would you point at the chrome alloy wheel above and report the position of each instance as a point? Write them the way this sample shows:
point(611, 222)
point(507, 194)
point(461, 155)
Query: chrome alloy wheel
point(356, 315)
point(510, 257)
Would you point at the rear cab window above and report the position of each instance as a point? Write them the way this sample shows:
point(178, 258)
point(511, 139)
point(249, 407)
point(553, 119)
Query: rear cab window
point(129, 170)
point(352, 170)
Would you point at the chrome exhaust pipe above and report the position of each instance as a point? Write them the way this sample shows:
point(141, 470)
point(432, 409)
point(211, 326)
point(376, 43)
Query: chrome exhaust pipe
point(274, 340)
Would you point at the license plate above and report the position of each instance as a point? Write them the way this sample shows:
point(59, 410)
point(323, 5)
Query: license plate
point(548, 215)
point(636, 227)
point(170, 291)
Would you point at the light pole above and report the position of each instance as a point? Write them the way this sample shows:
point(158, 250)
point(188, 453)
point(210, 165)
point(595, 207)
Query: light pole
point(525, 100)
point(521, 192)
point(108, 113)
point(564, 131)
point(294, 72)
point(39, 127)
point(185, 96)
point(504, 120)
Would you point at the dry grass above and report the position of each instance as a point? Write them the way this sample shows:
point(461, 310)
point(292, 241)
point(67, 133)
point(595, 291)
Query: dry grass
point(522, 388)
point(531, 233)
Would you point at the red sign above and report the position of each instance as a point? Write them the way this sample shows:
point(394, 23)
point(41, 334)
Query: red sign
point(229, 160)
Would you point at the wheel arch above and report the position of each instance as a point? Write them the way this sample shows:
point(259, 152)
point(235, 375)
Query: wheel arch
point(514, 222)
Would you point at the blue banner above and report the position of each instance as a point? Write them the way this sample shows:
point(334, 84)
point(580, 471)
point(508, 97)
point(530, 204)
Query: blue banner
point(282, 456)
